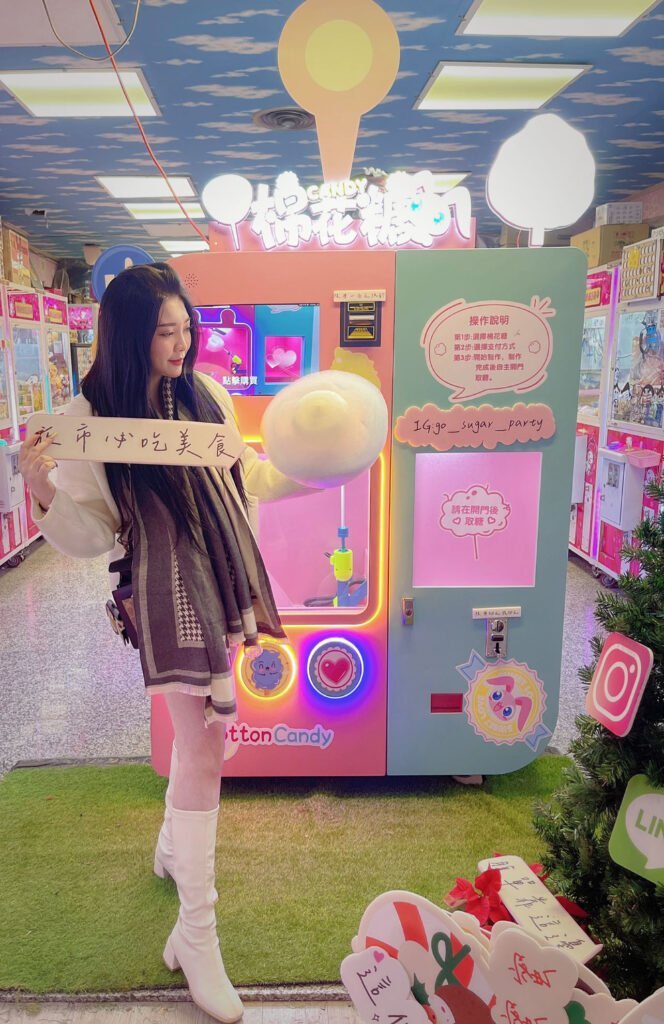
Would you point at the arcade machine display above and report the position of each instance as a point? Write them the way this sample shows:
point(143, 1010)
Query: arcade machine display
point(602, 293)
point(82, 327)
point(57, 351)
point(454, 668)
point(634, 446)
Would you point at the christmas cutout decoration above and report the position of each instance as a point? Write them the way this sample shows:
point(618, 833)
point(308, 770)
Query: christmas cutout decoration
point(414, 963)
point(536, 909)
point(579, 850)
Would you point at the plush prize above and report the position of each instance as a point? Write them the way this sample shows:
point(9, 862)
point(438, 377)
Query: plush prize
point(325, 428)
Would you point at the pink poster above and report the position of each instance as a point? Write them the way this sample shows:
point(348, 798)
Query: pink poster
point(23, 305)
point(55, 310)
point(476, 519)
point(598, 288)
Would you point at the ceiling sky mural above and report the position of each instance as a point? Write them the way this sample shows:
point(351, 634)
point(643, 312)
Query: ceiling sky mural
point(210, 68)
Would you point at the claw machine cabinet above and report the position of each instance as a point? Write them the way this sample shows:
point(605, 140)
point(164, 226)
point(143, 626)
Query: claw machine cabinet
point(56, 351)
point(602, 293)
point(316, 704)
point(8, 429)
point(485, 401)
point(24, 319)
point(635, 431)
point(82, 328)
point(11, 485)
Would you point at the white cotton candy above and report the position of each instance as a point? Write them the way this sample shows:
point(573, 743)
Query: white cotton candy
point(325, 428)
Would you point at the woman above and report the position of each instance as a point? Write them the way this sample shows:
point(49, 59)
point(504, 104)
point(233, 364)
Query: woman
point(199, 583)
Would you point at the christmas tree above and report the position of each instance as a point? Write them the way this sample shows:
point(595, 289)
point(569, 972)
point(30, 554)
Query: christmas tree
point(626, 911)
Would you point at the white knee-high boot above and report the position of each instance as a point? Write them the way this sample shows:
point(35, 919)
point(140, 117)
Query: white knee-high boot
point(164, 866)
point(193, 944)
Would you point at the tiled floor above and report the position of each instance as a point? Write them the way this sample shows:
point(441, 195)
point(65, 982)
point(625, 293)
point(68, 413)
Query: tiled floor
point(169, 1013)
point(70, 689)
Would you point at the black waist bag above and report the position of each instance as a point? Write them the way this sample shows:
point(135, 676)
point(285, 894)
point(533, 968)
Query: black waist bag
point(120, 610)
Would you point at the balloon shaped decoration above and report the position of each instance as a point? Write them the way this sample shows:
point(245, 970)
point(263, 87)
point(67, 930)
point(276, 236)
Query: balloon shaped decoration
point(338, 60)
point(325, 428)
point(542, 178)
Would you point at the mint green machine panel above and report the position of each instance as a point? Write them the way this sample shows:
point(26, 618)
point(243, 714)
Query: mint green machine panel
point(486, 363)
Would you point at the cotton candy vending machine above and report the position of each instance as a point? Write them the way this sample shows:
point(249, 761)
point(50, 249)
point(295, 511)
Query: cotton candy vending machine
point(316, 703)
point(56, 351)
point(454, 668)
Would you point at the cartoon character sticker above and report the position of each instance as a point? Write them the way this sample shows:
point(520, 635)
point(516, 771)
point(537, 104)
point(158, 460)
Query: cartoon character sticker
point(505, 701)
point(266, 671)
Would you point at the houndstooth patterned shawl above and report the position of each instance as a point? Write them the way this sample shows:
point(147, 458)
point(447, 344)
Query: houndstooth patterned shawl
point(194, 601)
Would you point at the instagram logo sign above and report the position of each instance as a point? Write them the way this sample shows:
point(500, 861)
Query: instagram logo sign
point(617, 686)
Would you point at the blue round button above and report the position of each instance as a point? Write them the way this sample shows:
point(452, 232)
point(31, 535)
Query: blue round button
point(112, 262)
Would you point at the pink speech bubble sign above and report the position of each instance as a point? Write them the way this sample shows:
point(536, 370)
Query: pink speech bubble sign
point(476, 512)
point(482, 426)
point(480, 348)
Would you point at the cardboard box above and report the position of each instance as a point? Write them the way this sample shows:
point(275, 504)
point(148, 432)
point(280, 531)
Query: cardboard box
point(619, 213)
point(605, 244)
point(16, 257)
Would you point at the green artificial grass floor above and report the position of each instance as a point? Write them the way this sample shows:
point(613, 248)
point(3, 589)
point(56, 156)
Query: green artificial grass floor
point(298, 861)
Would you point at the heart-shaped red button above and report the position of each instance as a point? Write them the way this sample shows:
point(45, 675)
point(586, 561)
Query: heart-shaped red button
point(336, 669)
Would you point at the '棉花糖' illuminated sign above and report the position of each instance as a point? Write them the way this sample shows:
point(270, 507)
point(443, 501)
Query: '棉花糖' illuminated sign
point(408, 211)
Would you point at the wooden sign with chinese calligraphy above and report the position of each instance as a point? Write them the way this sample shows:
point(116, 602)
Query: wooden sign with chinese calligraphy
point(155, 441)
point(537, 910)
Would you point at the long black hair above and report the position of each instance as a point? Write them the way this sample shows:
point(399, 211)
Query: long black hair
point(117, 385)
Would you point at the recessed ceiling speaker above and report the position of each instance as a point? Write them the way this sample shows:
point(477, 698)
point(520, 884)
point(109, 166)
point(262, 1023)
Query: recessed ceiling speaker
point(285, 119)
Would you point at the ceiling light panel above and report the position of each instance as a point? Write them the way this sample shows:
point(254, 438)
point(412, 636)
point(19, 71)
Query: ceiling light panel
point(553, 17)
point(79, 93)
point(176, 229)
point(164, 211)
point(471, 86)
point(179, 246)
point(27, 25)
point(146, 186)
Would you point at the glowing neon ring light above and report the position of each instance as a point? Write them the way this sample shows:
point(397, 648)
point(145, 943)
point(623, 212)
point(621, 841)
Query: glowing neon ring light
point(269, 675)
point(335, 668)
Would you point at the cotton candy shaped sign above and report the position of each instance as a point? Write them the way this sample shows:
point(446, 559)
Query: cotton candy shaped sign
point(542, 178)
point(325, 428)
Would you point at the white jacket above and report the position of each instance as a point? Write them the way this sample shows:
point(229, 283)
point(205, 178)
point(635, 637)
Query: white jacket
point(83, 520)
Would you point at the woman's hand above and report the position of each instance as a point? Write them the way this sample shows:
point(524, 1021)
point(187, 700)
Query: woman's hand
point(35, 464)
